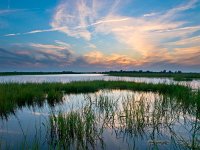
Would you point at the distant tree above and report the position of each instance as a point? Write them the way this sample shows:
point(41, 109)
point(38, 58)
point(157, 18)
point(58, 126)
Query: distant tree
point(179, 71)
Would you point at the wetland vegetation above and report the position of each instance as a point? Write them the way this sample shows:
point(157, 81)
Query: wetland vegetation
point(15, 95)
point(177, 76)
point(105, 115)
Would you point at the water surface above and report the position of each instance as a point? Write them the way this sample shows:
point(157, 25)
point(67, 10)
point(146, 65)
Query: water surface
point(123, 119)
point(88, 77)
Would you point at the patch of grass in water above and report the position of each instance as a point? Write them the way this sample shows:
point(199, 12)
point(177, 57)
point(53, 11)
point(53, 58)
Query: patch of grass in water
point(14, 95)
point(74, 130)
point(135, 117)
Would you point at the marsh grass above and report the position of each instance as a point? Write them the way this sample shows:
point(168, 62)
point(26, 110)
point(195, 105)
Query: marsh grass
point(105, 104)
point(74, 130)
point(149, 115)
point(130, 117)
point(133, 115)
point(16, 95)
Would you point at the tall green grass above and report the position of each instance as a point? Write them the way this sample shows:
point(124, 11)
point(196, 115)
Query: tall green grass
point(133, 118)
point(74, 130)
point(130, 117)
point(13, 95)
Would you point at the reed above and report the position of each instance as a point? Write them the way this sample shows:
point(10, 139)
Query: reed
point(74, 130)
point(13, 95)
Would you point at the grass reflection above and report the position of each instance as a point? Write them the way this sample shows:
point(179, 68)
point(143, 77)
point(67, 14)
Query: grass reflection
point(149, 117)
point(161, 116)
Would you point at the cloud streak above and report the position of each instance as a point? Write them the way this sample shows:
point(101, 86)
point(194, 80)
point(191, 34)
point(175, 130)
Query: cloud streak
point(10, 11)
point(75, 22)
point(65, 27)
point(102, 22)
point(146, 36)
point(4, 12)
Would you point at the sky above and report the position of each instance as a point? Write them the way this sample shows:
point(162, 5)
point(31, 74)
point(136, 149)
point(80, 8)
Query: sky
point(99, 35)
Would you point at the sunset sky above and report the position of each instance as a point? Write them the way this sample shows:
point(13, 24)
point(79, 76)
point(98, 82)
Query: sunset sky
point(99, 35)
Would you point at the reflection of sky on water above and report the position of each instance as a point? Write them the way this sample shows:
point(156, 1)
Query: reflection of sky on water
point(33, 121)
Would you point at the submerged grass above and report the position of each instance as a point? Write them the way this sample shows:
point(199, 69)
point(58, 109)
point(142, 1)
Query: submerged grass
point(13, 95)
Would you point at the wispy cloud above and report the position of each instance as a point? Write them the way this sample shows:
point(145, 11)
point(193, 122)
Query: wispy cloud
point(59, 51)
point(47, 46)
point(150, 38)
point(35, 31)
point(102, 22)
point(171, 13)
point(84, 14)
point(14, 11)
point(63, 44)
point(74, 30)
point(185, 42)
point(77, 15)
point(37, 55)
point(9, 11)
point(150, 14)
point(187, 55)
point(90, 45)
point(147, 36)
point(13, 34)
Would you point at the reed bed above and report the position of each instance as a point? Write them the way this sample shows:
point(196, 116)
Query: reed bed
point(137, 118)
point(13, 95)
point(130, 117)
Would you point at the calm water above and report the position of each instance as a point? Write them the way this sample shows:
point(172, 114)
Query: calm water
point(88, 77)
point(123, 119)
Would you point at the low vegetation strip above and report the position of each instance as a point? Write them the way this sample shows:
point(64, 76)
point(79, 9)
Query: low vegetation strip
point(175, 76)
point(13, 95)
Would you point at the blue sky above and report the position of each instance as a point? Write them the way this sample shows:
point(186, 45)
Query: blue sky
point(93, 35)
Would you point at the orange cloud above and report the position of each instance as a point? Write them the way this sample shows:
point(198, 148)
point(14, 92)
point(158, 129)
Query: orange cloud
point(147, 35)
point(98, 58)
point(186, 56)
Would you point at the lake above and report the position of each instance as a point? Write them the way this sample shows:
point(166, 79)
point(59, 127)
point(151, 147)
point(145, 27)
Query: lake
point(88, 77)
point(106, 119)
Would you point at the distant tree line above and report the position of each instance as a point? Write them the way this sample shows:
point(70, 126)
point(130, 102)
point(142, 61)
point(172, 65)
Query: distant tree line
point(141, 71)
